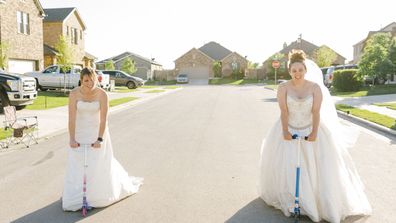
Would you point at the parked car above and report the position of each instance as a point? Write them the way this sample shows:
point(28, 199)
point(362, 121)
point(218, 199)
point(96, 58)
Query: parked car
point(17, 90)
point(123, 79)
point(328, 76)
point(55, 77)
point(182, 78)
point(103, 80)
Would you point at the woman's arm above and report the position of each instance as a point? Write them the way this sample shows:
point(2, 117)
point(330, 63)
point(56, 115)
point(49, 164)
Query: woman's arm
point(281, 95)
point(104, 107)
point(72, 119)
point(317, 102)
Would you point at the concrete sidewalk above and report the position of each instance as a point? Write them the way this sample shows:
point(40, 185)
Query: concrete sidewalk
point(367, 102)
point(55, 121)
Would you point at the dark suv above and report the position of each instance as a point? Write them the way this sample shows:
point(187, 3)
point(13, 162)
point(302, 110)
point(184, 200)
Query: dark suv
point(123, 79)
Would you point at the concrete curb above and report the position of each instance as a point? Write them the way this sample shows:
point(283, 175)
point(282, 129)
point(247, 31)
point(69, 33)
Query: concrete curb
point(367, 124)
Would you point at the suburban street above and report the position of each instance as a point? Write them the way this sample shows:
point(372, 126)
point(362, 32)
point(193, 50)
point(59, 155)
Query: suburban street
point(198, 150)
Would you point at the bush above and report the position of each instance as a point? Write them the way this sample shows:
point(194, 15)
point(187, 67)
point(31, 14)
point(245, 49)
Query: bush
point(346, 80)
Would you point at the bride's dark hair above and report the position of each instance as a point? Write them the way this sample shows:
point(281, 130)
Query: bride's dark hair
point(296, 56)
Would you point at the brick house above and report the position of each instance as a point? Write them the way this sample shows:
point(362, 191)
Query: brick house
point(309, 49)
point(145, 67)
point(198, 63)
point(21, 28)
point(359, 47)
point(66, 22)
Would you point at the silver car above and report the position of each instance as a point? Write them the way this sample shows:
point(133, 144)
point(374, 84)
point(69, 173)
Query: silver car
point(182, 78)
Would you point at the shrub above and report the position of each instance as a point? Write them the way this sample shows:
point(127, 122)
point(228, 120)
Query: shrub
point(346, 80)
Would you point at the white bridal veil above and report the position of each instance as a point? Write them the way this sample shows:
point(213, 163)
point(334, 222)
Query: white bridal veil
point(345, 135)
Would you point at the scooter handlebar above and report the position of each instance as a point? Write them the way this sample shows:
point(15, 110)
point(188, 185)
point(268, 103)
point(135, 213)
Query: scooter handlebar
point(296, 136)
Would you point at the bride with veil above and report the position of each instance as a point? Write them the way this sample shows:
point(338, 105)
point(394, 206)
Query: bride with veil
point(330, 187)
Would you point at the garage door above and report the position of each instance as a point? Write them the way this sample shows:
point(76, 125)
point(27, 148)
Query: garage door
point(21, 66)
point(196, 72)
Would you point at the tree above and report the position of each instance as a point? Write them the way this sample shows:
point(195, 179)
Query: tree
point(64, 56)
point(128, 66)
point(324, 56)
point(109, 65)
point(216, 67)
point(375, 61)
point(252, 65)
point(3, 55)
point(282, 71)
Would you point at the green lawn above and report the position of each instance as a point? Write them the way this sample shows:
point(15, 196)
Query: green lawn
point(49, 99)
point(368, 90)
point(119, 101)
point(171, 87)
point(154, 91)
point(4, 134)
point(388, 105)
point(220, 81)
point(380, 119)
point(156, 83)
point(123, 89)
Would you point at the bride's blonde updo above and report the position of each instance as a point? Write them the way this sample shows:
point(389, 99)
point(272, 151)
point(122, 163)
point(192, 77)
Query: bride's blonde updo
point(297, 56)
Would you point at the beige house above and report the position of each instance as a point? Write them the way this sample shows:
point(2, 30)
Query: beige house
point(198, 63)
point(358, 47)
point(66, 22)
point(309, 49)
point(21, 28)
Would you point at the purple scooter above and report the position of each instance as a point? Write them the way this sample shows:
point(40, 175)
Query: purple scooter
point(85, 206)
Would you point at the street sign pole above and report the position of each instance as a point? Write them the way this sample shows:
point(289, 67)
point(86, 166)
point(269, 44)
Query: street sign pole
point(275, 65)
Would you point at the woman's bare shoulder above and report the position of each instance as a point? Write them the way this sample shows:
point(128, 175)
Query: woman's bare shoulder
point(73, 93)
point(101, 92)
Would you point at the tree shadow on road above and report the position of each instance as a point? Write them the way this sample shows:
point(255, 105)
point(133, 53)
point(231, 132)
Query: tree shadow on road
point(54, 213)
point(258, 212)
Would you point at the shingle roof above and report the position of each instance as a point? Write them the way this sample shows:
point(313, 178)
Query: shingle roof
point(306, 46)
point(126, 54)
point(90, 56)
point(215, 50)
point(57, 14)
point(49, 50)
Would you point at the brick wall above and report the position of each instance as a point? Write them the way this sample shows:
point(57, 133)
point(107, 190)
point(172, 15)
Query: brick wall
point(22, 46)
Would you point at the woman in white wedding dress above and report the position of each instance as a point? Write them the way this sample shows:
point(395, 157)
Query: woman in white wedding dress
point(330, 187)
point(107, 181)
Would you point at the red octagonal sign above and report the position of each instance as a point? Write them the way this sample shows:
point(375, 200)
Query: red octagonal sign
point(275, 64)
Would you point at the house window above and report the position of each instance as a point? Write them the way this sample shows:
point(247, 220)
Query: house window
point(80, 34)
point(23, 22)
point(67, 30)
point(74, 36)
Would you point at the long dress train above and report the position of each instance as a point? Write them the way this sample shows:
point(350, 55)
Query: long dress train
point(107, 181)
point(330, 187)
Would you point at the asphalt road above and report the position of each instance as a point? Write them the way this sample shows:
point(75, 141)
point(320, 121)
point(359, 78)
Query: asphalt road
point(198, 150)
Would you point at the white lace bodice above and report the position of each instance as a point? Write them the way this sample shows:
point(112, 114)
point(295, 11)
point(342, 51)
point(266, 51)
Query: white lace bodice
point(300, 111)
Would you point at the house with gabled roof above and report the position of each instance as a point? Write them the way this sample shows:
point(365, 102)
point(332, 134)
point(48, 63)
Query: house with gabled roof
point(309, 49)
point(358, 48)
point(21, 29)
point(198, 63)
point(145, 66)
point(65, 22)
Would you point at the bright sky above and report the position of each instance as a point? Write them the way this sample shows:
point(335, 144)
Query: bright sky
point(257, 29)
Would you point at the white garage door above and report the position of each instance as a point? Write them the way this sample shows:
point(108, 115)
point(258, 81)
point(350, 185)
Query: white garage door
point(21, 66)
point(196, 72)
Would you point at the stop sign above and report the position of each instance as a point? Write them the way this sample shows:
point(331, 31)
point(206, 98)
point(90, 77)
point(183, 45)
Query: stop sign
point(275, 64)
